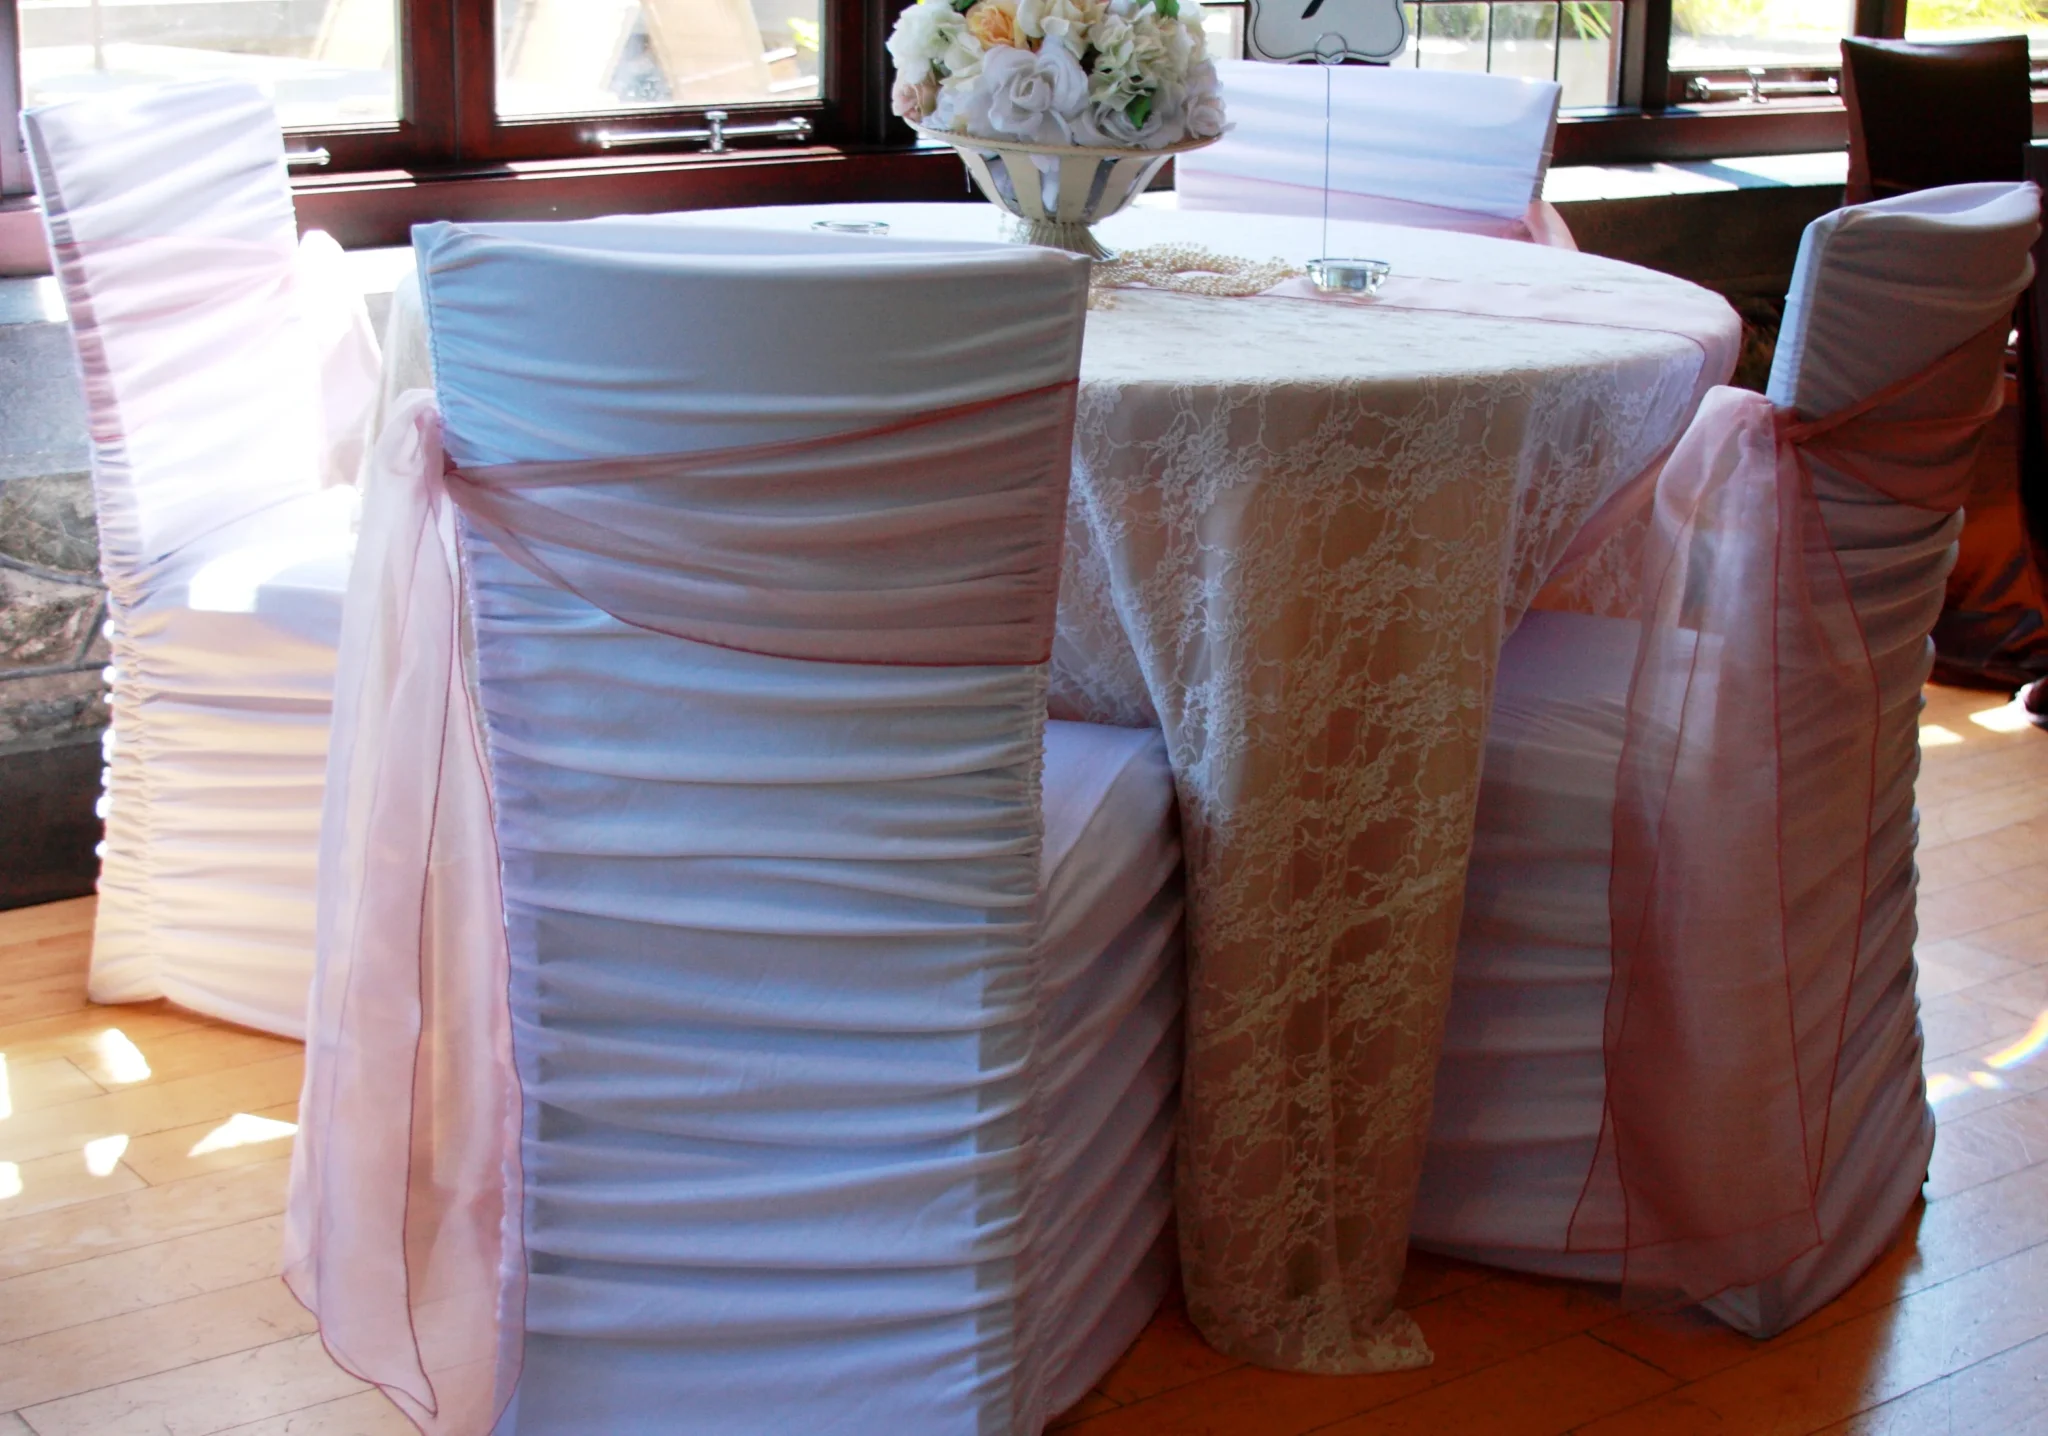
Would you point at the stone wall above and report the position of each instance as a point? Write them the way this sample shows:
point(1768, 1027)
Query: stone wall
point(52, 609)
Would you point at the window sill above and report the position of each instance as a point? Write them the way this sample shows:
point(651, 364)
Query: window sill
point(380, 207)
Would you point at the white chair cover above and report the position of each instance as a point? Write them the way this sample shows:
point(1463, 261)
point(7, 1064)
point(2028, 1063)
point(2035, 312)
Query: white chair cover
point(1437, 149)
point(839, 995)
point(1898, 308)
point(225, 370)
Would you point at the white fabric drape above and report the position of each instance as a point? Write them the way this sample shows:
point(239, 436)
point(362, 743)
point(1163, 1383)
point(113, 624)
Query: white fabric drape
point(1435, 149)
point(1755, 1064)
point(226, 367)
point(842, 996)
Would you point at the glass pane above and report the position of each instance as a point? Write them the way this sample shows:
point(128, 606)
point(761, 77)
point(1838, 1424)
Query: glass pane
point(1524, 40)
point(1223, 29)
point(1589, 66)
point(1734, 34)
point(565, 57)
point(325, 62)
point(1970, 19)
point(1448, 36)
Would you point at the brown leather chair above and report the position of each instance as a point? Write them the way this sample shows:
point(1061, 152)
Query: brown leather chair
point(1923, 115)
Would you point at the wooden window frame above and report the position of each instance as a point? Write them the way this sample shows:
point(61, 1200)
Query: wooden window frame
point(452, 157)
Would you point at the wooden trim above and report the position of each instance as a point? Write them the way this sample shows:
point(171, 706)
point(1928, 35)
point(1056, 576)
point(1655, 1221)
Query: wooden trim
point(426, 130)
point(1885, 19)
point(1705, 132)
point(1645, 53)
point(381, 208)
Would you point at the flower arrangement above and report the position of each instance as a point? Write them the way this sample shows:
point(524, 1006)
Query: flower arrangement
point(1102, 74)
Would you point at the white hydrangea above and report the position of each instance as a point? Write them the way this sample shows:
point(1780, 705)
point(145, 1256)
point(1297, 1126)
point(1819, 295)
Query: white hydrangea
point(1067, 22)
point(923, 35)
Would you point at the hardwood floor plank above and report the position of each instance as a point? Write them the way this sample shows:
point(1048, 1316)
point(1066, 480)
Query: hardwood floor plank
point(76, 1035)
point(367, 1413)
point(137, 1111)
point(124, 1348)
point(27, 924)
point(2004, 1396)
point(1544, 1393)
point(1958, 965)
point(139, 1218)
point(28, 1086)
point(205, 1398)
point(1477, 1327)
point(45, 997)
point(48, 1183)
point(1995, 1142)
point(1799, 1387)
point(213, 1145)
point(189, 1052)
point(142, 1277)
point(1169, 1353)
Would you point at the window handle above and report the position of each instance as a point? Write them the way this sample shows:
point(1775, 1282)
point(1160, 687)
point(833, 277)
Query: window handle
point(316, 156)
point(1756, 90)
point(713, 136)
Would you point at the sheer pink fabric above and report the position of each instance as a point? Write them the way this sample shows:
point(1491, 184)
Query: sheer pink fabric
point(404, 1221)
point(1738, 880)
point(1540, 224)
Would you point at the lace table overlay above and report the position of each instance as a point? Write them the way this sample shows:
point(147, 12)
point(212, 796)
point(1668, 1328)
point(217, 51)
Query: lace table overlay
point(1297, 535)
point(1305, 580)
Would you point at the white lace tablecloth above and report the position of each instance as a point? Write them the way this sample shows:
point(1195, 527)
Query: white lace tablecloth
point(1298, 534)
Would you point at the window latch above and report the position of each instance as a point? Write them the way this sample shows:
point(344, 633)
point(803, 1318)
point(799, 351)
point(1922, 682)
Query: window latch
point(713, 136)
point(1756, 90)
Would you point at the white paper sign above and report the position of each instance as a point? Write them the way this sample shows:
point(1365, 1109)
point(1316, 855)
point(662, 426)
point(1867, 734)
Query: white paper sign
point(1327, 30)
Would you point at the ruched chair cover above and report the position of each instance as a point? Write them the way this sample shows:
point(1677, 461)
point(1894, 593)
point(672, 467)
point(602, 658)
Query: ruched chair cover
point(1683, 1050)
point(1436, 149)
point(795, 1012)
point(227, 371)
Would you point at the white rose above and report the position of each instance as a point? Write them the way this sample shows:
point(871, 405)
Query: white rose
point(963, 105)
point(1204, 102)
point(922, 35)
point(1034, 97)
point(963, 57)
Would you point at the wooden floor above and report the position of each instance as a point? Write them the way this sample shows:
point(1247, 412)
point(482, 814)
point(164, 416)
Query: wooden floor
point(143, 1155)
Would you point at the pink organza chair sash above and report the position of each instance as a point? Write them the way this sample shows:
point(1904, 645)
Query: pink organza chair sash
point(1738, 882)
point(934, 540)
point(1539, 224)
point(924, 541)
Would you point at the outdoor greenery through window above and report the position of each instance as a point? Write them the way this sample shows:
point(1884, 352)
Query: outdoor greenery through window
point(1974, 19)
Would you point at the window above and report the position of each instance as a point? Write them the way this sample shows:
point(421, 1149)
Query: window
point(408, 108)
point(439, 84)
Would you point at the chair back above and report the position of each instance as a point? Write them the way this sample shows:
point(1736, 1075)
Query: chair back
point(795, 899)
point(1435, 139)
point(171, 228)
point(1923, 115)
point(1882, 290)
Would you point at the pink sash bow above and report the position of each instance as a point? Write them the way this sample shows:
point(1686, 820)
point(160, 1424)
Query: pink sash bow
point(1739, 876)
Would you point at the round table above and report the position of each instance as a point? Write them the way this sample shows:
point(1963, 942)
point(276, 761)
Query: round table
point(1298, 533)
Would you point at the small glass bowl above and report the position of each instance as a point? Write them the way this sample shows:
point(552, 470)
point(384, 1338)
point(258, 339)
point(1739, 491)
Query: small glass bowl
point(1348, 276)
point(852, 226)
